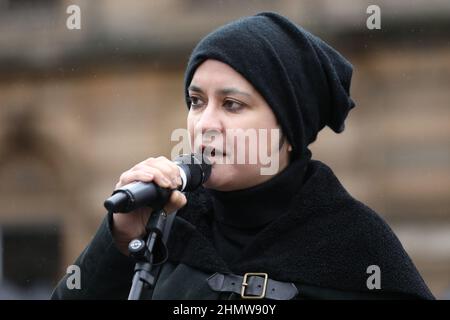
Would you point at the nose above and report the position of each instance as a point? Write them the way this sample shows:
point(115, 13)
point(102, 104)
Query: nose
point(210, 120)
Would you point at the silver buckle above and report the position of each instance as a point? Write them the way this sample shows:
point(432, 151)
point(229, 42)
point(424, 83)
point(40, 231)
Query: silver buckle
point(245, 284)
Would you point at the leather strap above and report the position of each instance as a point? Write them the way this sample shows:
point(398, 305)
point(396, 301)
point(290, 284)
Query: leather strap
point(275, 290)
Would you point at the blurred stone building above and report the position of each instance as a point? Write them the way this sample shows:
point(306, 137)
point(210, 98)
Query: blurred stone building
point(78, 107)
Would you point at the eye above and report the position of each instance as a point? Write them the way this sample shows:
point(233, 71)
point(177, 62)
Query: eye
point(233, 106)
point(196, 102)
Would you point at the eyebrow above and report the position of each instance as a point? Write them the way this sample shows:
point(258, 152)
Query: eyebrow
point(223, 91)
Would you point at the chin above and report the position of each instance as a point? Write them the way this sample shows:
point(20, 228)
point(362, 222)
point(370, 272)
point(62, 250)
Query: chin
point(214, 182)
point(219, 179)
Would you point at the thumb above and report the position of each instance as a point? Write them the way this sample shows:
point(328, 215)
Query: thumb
point(177, 201)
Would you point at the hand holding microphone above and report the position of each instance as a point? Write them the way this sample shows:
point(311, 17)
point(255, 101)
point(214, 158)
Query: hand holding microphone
point(141, 186)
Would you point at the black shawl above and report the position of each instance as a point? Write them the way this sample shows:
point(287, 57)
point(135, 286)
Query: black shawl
point(326, 239)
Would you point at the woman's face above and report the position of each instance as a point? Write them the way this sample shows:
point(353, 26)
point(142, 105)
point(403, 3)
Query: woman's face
point(222, 102)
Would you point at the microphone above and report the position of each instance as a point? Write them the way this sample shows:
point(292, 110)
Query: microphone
point(194, 171)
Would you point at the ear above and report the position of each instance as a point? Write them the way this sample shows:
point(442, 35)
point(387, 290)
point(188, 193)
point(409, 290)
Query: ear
point(289, 148)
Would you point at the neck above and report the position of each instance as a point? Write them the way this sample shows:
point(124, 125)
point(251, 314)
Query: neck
point(257, 206)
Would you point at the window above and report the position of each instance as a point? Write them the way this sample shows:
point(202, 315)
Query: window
point(30, 257)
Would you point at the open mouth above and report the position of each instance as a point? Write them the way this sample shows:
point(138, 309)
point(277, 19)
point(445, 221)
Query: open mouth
point(210, 151)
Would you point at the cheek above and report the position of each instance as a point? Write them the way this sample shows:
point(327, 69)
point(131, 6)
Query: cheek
point(191, 127)
point(190, 122)
point(265, 119)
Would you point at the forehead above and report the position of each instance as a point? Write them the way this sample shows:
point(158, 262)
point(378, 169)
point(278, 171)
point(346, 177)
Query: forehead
point(213, 73)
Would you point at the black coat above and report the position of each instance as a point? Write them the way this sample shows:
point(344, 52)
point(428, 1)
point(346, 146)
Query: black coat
point(323, 245)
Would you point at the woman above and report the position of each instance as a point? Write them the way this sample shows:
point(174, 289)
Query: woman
point(298, 228)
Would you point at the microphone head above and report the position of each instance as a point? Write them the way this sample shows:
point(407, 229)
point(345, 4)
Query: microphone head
point(196, 167)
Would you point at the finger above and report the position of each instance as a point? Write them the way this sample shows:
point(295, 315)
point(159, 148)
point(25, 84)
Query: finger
point(167, 167)
point(170, 173)
point(146, 175)
point(177, 200)
point(132, 176)
point(170, 168)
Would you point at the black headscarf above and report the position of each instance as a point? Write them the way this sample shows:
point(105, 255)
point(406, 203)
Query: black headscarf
point(305, 81)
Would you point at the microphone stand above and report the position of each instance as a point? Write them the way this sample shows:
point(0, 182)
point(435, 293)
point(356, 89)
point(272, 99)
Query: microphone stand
point(146, 251)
